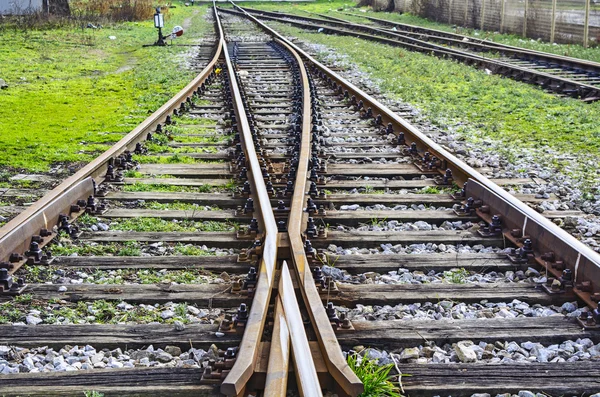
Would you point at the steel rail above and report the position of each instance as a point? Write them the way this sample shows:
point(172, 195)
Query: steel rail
point(279, 354)
point(328, 343)
point(236, 381)
point(450, 38)
point(306, 373)
point(332, 352)
point(249, 349)
point(579, 258)
point(435, 33)
point(44, 213)
point(559, 84)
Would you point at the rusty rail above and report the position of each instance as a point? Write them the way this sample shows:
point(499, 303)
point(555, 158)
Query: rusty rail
point(328, 343)
point(44, 214)
point(583, 64)
point(586, 92)
point(568, 253)
point(243, 369)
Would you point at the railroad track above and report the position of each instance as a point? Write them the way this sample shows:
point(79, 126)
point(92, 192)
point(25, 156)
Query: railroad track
point(247, 231)
point(566, 76)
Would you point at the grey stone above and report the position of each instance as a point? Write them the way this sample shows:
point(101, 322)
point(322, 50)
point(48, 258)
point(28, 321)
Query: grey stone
point(33, 320)
point(173, 350)
point(464, 352)
point(96, 358)
point(3, 84)
point(193, 310)
point(409, 353)
point(141, 354)
point(163, 357)
point(526, 393)
point(438, 358)
point(334, 272)
point(179, 326)
point(167, 314)
point(28, 362)
point(568, 307)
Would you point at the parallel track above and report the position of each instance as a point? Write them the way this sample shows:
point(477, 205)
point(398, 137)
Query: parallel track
point(566, 76)
point(296, 173)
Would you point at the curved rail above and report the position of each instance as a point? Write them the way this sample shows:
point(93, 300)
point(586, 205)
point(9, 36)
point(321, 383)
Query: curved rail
point(332, 353)
point(240, 374)
point(553, 82)
point(583, 262)
point(440, 34)
point(44, 213)
point(243, 369)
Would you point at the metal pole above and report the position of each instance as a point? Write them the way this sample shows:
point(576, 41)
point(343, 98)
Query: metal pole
point(160, 40)
point(553, 22)
point(450, 11)
point(586, 24)
point(466, 13)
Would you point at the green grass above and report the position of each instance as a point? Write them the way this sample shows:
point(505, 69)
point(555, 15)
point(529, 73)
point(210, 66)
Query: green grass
point(178, 205)
point(96, 312)
point(375, 378)
point(69, 86)
point(438, 189)
point(146, 187)
point(163, 225)
point(92, 394)
point(67, 247)
point(479, 107)
point(456, 276)
point(331, 8)
point(42, 274)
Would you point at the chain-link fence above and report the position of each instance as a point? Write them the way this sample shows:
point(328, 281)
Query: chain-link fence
point(564, 21)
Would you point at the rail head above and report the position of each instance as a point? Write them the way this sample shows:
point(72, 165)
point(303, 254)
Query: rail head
point(45, 212)
point(586, 92)
point(249, 348)
point(460, 170)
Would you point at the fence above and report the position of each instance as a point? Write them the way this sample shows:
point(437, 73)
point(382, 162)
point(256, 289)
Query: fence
point(564, 21)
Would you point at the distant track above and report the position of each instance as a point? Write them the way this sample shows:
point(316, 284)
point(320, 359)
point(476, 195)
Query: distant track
point(563, 75)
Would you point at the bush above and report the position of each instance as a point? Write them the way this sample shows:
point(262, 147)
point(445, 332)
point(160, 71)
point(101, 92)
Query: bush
point(115, 10)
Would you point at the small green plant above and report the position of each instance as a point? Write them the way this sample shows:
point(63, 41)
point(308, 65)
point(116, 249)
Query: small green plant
point(328, 260)
point(133, 174)
point(92, 393)
point(375, 378)
point(378, 222)
point(87, 220)
point(456, 276)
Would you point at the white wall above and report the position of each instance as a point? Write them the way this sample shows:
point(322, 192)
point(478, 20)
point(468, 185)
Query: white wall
point(20, 6)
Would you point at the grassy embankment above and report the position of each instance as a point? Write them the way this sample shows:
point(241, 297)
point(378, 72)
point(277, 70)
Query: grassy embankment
point(72, 91)
point(480, 107)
